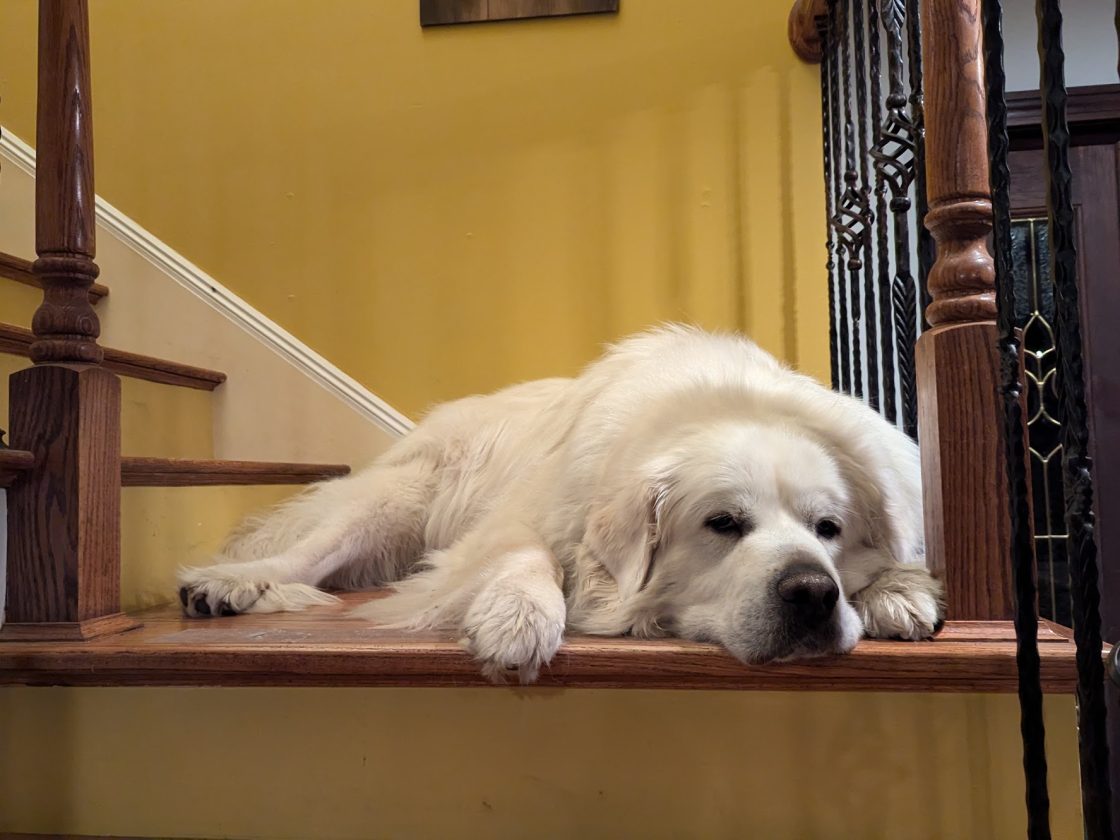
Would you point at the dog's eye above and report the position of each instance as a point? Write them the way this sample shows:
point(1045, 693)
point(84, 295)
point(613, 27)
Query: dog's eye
point(827, 529)
point(724, 523)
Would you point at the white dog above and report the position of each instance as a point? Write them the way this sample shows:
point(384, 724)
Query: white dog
point(685, 484)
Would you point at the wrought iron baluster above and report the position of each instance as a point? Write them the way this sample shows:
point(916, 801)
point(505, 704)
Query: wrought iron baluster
point(868, 274)
point(882, 280)
point(1076, 466)
point(1022, 558)
point(825, 36)
point(838, 27)
point(896, 162)
point(850, 212)
point(926, 250)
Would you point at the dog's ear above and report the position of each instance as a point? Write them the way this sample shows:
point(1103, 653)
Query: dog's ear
point(623, 532)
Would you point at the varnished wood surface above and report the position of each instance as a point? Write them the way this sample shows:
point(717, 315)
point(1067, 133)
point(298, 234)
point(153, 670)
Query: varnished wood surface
point(184, 472)
point(440, 12)
point(14, 463)
point(802, 29)
point(964, 474)
point(18, 340)
point(960, 426)
point(323, 647)
point(66, 327)
point(19, 269)
point(64, 548)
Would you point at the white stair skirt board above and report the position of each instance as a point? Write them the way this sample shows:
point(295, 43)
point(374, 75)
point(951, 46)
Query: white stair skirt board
point(188, 275)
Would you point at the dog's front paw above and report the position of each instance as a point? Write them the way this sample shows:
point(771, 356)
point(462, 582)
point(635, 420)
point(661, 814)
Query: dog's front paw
point(219, 591)
point(512, 628)
point(904, 602)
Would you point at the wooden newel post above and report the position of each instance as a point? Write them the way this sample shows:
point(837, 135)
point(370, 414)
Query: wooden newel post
point(963, 462)
point(64, 539)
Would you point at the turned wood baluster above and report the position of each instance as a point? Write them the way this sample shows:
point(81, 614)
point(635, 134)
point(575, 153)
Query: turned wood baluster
point(963, 465)
point(64, 515)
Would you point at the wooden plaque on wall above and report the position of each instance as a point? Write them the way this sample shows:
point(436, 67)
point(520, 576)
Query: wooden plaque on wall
point(439, 12)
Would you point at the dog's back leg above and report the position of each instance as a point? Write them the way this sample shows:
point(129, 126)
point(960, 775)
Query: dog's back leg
point(357, 531)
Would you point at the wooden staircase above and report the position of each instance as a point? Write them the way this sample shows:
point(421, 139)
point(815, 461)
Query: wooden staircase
point(65, 472)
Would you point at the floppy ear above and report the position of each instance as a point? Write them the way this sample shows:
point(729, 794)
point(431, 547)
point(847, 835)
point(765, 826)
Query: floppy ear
point(881, 466)
point(623, 531)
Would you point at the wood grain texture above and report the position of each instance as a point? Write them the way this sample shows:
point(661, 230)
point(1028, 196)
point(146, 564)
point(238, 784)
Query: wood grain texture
point(64, 553)
point(1087, 105)
point(18, 340)
point(802, 29)
point(324, 647)
point(19, 269)
point(964, 476)
point(13, 464)
point(441, 12)
point(181, 472)
point(65, 326)
point(956, 362)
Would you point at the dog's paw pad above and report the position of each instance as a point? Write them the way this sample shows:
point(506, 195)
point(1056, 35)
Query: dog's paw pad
point(208, 596)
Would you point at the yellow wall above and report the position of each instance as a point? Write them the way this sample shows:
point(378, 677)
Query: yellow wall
point(467, 763)
point(442, 212)
point(450, 210)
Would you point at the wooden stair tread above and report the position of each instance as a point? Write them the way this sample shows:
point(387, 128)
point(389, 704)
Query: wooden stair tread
point(18, 340)
point(19, 269)
point(322, 647)
point(13, 463)
point(185, 472)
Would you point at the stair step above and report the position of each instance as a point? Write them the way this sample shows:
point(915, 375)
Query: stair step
point(183, 472)
point(187, 472)
point(19, 269)
point(321, 647)
point(13, 463)
point(18, 340)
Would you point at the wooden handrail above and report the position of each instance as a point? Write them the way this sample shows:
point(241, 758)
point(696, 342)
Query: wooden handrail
point(64, 546)
point(963, 467)
point(802, 30)
point(21, 270)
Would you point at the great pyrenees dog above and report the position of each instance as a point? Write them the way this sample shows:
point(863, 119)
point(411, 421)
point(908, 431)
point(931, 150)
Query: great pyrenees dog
point(685, 484)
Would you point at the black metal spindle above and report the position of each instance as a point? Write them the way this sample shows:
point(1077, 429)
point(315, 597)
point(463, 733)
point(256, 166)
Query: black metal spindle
point(882, 280)
point(897, 163)
point(1076, 467)
point(826, 144)
point(837, 25)
point(868, 274)
point(849, 210)
point(1031, 723)
point(926, 249)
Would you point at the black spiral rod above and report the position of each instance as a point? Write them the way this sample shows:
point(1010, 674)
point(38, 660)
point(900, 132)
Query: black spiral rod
point(896, 162)
point(926, 249)
point(868, 276)
point(889, 408)
point(830, 243)
point(1076, 466)
point(836, 31)
point(849, 214)
point(1031, 724)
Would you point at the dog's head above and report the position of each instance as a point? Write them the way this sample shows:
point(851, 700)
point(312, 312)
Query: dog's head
point(734, 532)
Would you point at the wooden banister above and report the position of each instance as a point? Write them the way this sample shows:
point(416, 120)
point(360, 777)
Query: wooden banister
point(803, 34)
point(64, 543)
point(963, 469)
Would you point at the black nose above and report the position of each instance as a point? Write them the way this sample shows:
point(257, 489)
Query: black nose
point(809, 593)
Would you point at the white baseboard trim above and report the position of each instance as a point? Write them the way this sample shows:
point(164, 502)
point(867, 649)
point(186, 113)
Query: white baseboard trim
point(202, 285)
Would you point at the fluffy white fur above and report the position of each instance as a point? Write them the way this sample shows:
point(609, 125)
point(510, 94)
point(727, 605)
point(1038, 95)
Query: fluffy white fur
point(594, 504)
